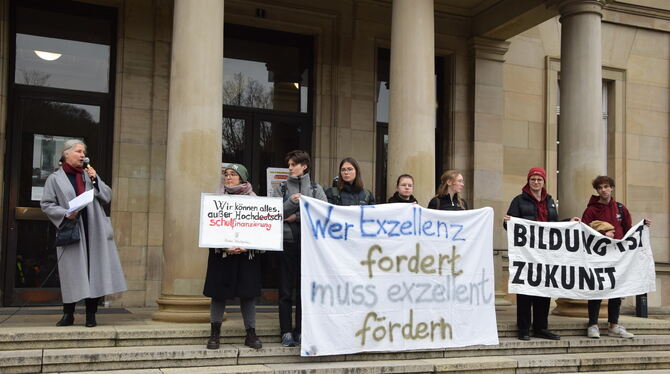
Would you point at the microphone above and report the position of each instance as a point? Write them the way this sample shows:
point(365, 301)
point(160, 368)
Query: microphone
point(88, 166)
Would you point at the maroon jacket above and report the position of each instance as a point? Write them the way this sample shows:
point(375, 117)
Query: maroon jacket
point(596, 211)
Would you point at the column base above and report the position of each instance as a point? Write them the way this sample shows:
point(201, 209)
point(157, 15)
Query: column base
point(576, 308)
point(182, 309)
point(500, 299)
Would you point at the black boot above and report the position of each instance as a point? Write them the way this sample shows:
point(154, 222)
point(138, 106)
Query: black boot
point(90, 320)
point(91, 309)
point(252, 341)
point(67, 320)
point(214, 336)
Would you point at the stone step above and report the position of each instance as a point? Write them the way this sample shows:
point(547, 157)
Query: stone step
point(652, 362)
point(116, 358)
point(232, 332)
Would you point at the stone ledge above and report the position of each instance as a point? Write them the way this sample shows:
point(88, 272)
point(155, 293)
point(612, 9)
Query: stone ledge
point(22, 358)
point(241, 369)
point(358, 367)
point(128, 354)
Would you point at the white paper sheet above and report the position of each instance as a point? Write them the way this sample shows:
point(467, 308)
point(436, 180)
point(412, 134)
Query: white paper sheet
point(80, 201)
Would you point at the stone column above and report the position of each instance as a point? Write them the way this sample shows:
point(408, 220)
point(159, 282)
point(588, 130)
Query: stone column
point(581, 155)
point(193, 161)
point(412, 97)
point(582, 135)
point(487, 98)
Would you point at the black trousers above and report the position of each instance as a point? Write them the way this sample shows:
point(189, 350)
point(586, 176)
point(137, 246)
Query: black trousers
point(91, 306)
point(540, 310)
point(289, 279)
point(613, 308)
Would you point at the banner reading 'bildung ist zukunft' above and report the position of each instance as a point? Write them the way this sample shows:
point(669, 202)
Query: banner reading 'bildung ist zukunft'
point(395, 277)
point(571, 260)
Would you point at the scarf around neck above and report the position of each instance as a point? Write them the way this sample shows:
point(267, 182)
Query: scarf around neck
point(78, 177)
point(241, 189)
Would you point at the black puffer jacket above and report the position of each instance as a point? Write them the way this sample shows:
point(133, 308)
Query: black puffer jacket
point(445, 202)
point(523, 206)
point(347, 196)
point(397, 199)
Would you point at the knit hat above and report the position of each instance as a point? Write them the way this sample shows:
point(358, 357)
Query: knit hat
point(240, 170)
point(537, 171)
point(601, 226)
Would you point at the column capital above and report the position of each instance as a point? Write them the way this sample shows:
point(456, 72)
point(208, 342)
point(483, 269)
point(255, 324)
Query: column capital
point(567, 8)
point(488, 49)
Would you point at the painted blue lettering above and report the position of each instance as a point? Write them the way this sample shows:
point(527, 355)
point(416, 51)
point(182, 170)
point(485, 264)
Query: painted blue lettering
point(459, 228)
point(364, 221)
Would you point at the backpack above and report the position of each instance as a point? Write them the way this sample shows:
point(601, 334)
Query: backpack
point(284, 189)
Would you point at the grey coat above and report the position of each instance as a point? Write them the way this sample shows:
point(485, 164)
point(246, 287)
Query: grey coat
point(106, 275)
point(302, 185)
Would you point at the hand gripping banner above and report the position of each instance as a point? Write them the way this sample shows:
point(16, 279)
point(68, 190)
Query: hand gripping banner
point(395, 277)
point(571, 260)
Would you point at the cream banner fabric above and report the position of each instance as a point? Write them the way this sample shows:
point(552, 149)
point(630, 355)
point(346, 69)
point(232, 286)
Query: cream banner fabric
point(395, 277)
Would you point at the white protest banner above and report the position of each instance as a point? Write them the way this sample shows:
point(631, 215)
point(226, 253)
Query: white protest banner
point(571, 260)
point(395, 277)
point(252, 222)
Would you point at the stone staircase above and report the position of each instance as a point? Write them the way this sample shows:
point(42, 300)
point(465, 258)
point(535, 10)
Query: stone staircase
point(152, 347)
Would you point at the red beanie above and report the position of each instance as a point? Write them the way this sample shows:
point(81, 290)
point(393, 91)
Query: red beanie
point(537, 171)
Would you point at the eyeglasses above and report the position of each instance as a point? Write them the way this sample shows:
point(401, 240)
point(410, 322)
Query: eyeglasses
point(347, 170)
point(536, 180)
point(229, 175)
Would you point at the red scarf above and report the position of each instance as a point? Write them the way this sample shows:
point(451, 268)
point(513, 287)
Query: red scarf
point(541, 209)
point(78, 177)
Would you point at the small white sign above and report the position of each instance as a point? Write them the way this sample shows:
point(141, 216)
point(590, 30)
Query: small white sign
point(274, 177)
point(251, 222)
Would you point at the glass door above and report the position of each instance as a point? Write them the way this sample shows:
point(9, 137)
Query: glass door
point(60, 87)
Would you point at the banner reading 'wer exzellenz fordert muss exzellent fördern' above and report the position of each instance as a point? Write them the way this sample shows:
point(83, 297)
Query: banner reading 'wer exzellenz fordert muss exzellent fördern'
point(395, 277)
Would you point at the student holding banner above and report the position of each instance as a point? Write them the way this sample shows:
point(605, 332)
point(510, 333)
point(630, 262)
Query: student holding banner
point(404, 188)
point(448, 195)
point(603, 207)
point(297, 184)
point(536, 205)
point(349, 188)
point(233, 272)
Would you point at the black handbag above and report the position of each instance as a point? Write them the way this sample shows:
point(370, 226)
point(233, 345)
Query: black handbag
point(68, 232)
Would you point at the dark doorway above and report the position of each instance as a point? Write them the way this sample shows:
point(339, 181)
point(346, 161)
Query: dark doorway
point(60, 87)
point(267, 112)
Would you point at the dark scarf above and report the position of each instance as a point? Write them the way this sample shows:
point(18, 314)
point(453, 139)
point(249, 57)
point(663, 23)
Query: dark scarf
point(78, 174)
point(541, 209)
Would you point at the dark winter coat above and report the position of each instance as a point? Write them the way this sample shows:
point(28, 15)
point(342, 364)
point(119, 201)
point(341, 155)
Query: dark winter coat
point(347, 196)
point(397, 199)
point(229, 276)
point(608, 213)
point(445, 202)
point(523, 206)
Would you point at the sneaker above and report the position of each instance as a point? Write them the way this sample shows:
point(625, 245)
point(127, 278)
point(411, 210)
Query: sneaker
point(593, 332)
point(619, 331)
point(287, 340)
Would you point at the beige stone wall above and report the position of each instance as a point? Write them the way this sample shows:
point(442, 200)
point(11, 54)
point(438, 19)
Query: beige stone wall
point(143, 59)
point(637, 62)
